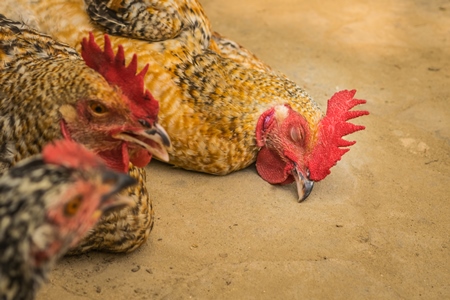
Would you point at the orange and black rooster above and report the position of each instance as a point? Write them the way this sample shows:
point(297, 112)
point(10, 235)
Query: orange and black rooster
point(48, 92)
point(222, 107)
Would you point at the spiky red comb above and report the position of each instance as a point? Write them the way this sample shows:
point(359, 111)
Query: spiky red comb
point(327, 151)
point(70, 154)
point(112, 68)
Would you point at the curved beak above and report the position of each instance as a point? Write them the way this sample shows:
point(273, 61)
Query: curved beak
point(161, 142)
point(155, 140)
point(160, 134)
point(304, 185)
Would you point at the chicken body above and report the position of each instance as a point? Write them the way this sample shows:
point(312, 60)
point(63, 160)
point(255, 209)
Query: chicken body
point(212, 91)
point(47, 92)
point(47, 204)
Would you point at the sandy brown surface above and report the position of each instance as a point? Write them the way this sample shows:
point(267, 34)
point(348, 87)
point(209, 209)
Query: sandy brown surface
point(377, 228)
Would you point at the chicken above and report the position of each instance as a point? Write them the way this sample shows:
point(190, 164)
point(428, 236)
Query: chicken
point(222, 107)
point(47, 204)
point(48, 92)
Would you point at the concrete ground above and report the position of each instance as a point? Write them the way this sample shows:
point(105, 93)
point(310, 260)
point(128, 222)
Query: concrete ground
point(377, 228)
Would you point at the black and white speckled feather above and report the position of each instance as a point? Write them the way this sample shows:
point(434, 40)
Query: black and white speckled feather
point(36, 227)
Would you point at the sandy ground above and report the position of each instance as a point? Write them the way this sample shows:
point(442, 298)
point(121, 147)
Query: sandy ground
point(377, 228)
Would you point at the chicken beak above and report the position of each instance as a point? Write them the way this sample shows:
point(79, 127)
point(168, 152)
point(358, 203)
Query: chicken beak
point(304, 185)
point(161, 142)
point(155, 140)
point(161, 135)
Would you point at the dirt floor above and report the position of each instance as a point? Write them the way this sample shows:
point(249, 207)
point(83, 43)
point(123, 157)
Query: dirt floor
point(377, 228)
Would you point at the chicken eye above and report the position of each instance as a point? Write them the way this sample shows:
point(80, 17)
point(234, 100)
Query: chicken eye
point(73, 205)
point(98, 108)
point(296, 134)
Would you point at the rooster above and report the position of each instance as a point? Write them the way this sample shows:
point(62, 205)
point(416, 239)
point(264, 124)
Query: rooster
point(47, 204)
point(223, 108)
point(48, 92)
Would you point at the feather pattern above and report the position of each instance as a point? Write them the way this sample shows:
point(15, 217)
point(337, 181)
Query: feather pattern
point(47, 92)
point(212, 91)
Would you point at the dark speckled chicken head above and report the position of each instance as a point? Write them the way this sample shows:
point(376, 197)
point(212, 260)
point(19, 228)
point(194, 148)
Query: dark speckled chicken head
point(47, 204)
point(85, 190)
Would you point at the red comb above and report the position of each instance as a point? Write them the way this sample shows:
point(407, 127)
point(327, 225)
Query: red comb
point(112, 68)
point(327, 152)
point(70, 154)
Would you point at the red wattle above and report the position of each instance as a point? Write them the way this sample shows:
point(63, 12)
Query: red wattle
point(272, 168)
point(116, 159)
point(141, 158)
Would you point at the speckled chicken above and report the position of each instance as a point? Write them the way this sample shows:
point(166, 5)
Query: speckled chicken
point(48, 92)
point(223, 108)
point(47, 204)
